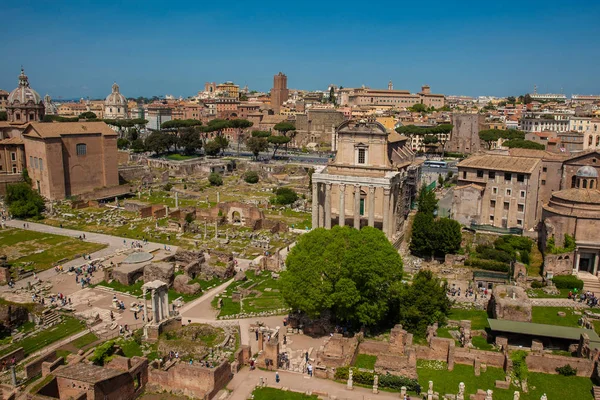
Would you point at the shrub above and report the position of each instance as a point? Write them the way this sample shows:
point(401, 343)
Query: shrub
point(385, 381)
point(251, 177)
point(537, 284)
point(524, 256)
point(103, 353)
point(567, 282)
point(168, 187)
point(566, 370)
point(284, 196)
point(215, 179)
point(519, 364)
point(489, 265)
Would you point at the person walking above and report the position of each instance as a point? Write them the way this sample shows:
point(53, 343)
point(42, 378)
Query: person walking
point(277, 377)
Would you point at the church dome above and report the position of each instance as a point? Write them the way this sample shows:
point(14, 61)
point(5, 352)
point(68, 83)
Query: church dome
point(24, 94)
point(587, 172)
point(115, 98)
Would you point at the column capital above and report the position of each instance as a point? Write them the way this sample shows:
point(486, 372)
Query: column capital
point(371, 189)
point(328, 185)
point(342, 185)
point(386, 191)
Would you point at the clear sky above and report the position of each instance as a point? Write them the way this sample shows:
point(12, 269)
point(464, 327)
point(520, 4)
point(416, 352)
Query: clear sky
point(78, 48)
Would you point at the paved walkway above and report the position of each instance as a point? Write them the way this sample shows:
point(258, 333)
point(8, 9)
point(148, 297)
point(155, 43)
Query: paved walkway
point(114, 244)
point(557, 303)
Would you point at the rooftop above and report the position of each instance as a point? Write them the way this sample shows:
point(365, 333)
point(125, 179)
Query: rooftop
point(543, 154)
point(88, 373)
point(591, 196)
point(543, 330)
point(501, 163)
point(58, 129)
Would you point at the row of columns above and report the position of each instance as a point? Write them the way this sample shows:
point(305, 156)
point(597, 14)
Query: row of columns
point(160, 305)
point(321, 212)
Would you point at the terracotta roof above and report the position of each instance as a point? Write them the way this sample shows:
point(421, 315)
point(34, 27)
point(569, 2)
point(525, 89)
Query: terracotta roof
point(58, 129)
point(13, 140)
point(394, 137)
point(501, 163)
point(543, 154)
point(591, 196)
point(470, 185)
point(6, 124)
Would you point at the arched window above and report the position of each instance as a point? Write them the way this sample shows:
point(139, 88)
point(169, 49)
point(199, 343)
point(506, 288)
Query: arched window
point(573, 181)
point(81, 149)
point(18, 116)
point(31, 117)
point(584, 183)
point(597, 141)
point(591, 184)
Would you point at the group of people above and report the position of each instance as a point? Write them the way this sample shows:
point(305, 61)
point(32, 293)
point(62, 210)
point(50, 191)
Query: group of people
point(588, 297)
point(84, 274)
point(7, 364)
point(136, 244)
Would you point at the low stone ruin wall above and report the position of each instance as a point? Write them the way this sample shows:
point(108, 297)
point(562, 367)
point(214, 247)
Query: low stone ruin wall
point(190, 380)
point(35, 367)
point(547, 364)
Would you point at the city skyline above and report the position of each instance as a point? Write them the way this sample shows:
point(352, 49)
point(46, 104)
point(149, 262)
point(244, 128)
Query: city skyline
point(470, 49)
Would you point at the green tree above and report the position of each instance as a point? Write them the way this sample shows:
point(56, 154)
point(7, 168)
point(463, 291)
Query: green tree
point(426, 201)
point(277, 141)
point(23, 201)
point(421, 238)
point(344, 271)
point(215, 179)
point(137, 145)
point(523, 144)
point(212, 148)
point(190, 141)
point(103, 353)
point(284, 196)
point(447, 236)
point(222, 141)
point(262, 134)
point(239, 125)
point(26, 177)
point(159, 142)
point(332, 95)
point(511, 99)
point(3, 116)
point(527, 99)
point(88, 115)
point(490, 136)
point(422, 303)
point(122, 143)
point(287, 129)
point(251, 177)
point(420, 108)
point(256, 145)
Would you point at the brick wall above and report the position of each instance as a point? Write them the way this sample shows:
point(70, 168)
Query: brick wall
point(18, 354)
point(547, 364)
point(191, 380)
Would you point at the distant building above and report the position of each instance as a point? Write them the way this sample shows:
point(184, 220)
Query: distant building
point(24, 104)
point(544, 121)
point(464, 137)
point(157, 114)
point(391, 98)
point(115, 105)
point(280, 92)
point(70, 158)
point(3, 99)
point(317, 126)
point(228, 89)
point(50, 106)
point(585, 99)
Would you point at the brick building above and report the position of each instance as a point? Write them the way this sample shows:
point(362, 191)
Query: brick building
point(317, 126)
point(70, 158)
point(464, 137)
point(280, 92)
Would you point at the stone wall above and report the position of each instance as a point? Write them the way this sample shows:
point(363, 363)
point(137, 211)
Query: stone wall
point(35, 367)
point(510, 303)
point(18, 354)
point(48, 367)
point(468, 356)
point(559, 264)
point(547, 364)
point(190, 380)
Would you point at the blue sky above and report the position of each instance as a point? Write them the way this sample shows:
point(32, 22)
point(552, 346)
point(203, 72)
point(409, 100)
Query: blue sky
point(78, 48)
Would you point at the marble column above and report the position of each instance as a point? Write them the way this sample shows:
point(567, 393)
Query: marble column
point(315, 205)
point(577, 258)
point(596, 256)
point(321, 207)
point(357, 206)
point(166, 303)
point(155, 307)
point(342, 210)
point(328, 206)
point(145, 305)
point(392, 213)
point(386, 211)
point(371, 206)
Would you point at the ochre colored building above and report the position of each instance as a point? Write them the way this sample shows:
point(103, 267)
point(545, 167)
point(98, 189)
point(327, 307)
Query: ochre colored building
point(70, 158)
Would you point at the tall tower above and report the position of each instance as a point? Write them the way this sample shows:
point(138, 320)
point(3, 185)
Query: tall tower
point(280, 92)
point(390, 85)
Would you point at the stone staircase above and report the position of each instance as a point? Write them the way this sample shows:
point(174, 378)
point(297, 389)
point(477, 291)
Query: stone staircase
point(590, 282)
point(596, 392)
point(50, 318)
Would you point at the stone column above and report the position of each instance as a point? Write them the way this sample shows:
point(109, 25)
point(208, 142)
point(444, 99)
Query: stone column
point(371, 206)
point(218, 197)
point(176, 200)
point(386, 211)
point(155, 307)
point(392, 214)
point(321, 207)
point(596, 257)
point(166, 302)
point(145, 305)
point(342, 210)
point(357, 206)
point(577, 258)
point(315, 205)
point(328, 206)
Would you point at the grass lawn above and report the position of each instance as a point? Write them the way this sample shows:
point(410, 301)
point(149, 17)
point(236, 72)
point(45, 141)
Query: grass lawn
point(136, 290)
point(555, 386)
point(478, 318)
point(180, 157)
point(276, 394)
point(130, 348)
point(539, 293)
point(365, 361)
point(481, 343)
point(43, 250)
point(445, 333)
point(85, 340)
point(31, 344)
point(549, 315)
point(535, 262)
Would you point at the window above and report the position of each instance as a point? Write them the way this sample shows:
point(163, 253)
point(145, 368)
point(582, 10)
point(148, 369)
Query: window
point(35, 162)
point(13, 156)
point(507, 176)
point(544, 169)
point(495, 190)
point(543, 182)
point(361, 156)
point(506, 206)
point(464, 174)
point(31, 161)
point(520, 178)
point(14, 169)
point(520, 207)
point(81, 149)
point(492, 203)
point(508, 192)
point(18, 116)
point(522, 194)
point(479, 173)
point(41, 165)
point(492, 175)
point(519, 222)
point(491, 218)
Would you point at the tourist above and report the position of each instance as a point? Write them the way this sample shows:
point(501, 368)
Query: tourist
point(177, 355)
point(112, 316)
point(277, 377)
point(135, 315)
point(251, 364)
point(121, 329)
point(191, 361)
point(418, 389)
point(256, 332)
point(310, 370)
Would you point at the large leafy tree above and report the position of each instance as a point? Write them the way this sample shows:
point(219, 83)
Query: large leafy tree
point(447, 236)
point(256, 145)
point(212, 148)
point(489, 136)
point(284, 127)
point(23, 201)
point(422, 303)
point(190, 140)
point(421, 238)
point(277, 141)
point(523, 144)
point(159, 142)
point(342, 270)
point(426, 201)
point(239, 125)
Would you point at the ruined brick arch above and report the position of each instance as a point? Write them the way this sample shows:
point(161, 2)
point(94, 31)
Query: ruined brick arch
point(236, 215)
